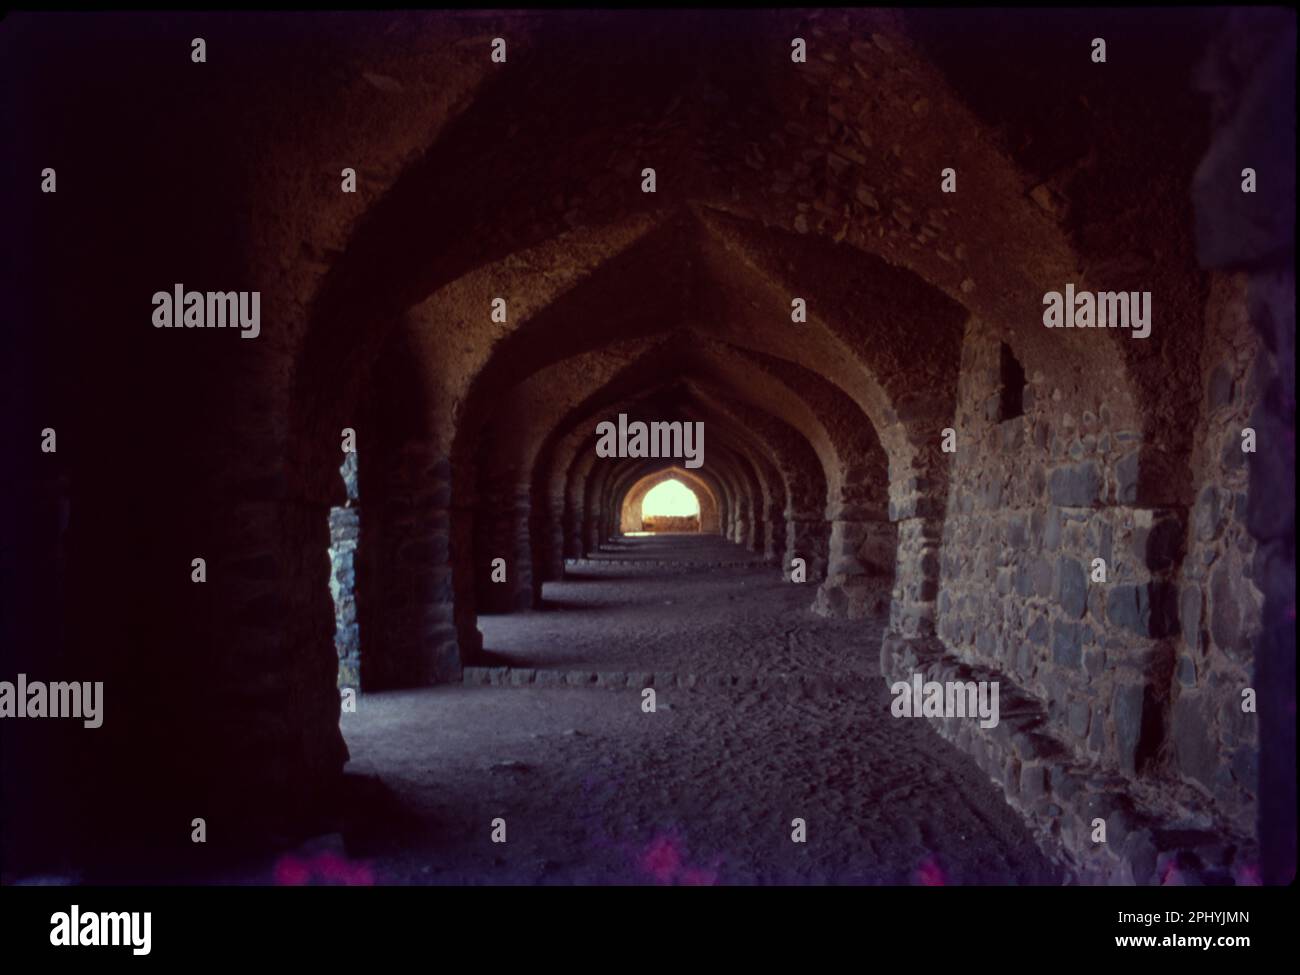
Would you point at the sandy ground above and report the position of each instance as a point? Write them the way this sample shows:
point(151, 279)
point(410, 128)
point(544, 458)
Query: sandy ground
point(689, 618)
point(592, 789)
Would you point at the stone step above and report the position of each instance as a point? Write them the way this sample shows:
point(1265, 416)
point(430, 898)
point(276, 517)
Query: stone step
point(669, 563)
point(811, 685)
point(1064, 793)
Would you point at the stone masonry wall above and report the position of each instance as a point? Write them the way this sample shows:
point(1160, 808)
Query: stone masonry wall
point(1215, 745)
point(1034, 500)
point(345, 525)
point(1248, 76)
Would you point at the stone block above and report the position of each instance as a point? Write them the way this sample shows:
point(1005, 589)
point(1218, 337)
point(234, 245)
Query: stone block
point(1094, 662)
point(1127, 471)
point(1033, 783)
point(1052, 530)
point(1140, 854)
point(1037, 632)
point(1072, 587)
point(1147, 610)
point(1079, 716)
point(1137, 724)
point(1075, 486)
point(1196, 748)
point(1189, 615)
point(1209, 517)
point(1226, 597)
point(549, 678)
point(1067, 647)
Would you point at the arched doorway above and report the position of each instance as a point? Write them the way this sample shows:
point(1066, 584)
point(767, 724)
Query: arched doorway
point(670, 506)
point(631, 510)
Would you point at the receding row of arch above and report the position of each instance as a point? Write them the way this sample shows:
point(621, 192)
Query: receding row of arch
point(819, 440)
point(519, 181)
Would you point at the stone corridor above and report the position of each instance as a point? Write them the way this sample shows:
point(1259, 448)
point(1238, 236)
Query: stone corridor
point(370, 572)
point(677, 604)
point(765, 712)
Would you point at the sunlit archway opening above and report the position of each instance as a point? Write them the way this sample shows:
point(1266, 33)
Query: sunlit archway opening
point(670, 507)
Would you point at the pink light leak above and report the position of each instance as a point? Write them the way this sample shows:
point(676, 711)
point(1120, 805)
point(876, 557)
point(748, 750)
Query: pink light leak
point(930, 874)
point(662, 859)
point(1248, 876)
point(324, 869)
point(699, 877)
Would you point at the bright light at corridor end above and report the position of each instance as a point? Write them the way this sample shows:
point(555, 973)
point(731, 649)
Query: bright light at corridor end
point(671, 499)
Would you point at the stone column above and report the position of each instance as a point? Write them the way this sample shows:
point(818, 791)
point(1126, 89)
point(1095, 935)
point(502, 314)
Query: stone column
point(406, 604)
point(1252, 72)
point(550, 550)
point(860, 568)
point(916, 577)
point(345, 525)
point(502, 533)
point(774, 534)
point(807, 538)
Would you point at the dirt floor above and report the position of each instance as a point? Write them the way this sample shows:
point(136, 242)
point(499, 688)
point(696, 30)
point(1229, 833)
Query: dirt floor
point(593, 789)
point(695, 616)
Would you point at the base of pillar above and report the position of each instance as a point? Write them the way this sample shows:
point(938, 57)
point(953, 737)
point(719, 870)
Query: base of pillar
point(853, 597)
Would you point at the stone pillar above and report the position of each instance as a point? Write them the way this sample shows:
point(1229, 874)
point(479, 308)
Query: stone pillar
point(345, 525)
point(740, 528)
point(807, 538)
point(916, 577)
point(1252, 73)
point(573, 543)
point(549, 552)
point(502, 533)
point(774, 536)
point(406, 606)
point(860, 569)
